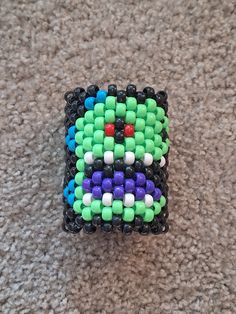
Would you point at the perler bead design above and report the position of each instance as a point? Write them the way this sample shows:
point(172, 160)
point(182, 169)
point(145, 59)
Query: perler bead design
point(116, 160)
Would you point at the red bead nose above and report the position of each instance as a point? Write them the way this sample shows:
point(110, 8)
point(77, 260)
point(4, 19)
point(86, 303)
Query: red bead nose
point(129, 130)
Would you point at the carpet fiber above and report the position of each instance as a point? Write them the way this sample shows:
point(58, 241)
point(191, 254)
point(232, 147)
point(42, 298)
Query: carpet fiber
point(185, 47)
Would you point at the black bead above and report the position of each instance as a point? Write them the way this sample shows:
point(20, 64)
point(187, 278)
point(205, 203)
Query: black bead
point(97, 220)
point(119, 123)
point(161, 97)
point(74, 105)
point(131, 90)
point(138, 221)
point(129, 172)
point(81, 98)
point(80, 111)
point(73, 227)
point(70, 214)
point(79, 221)
point(92, 90)
point(119, 137)
point(116, 220)
point(156, 180)
point(69, 96)
point(121, 96)
point(78, 91)
point(144, 230)
point(73, 171)
point(119, 165)
point(127, 229)
point(112, 90)
point(149, 91)
point(156, 167)
point(164, 135)
point(149, 173)
point(165, 106)
point(141, 97)
point(64, 227)
point(139, 166)
point(108, 171)
point(156, 229)
point(89, 228)
point(106, 227)
point(98, 164)
point(88, 171)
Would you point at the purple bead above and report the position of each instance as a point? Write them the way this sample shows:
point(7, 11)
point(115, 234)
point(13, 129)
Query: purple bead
point(97, 177)
point(87, 185)
point(139, 193)
point(157, 194)
point(150, 186)
point(140, 179)
point(118, 192)
point(97, 192)
point(107, 185)
point(129, 185)
point(118, 177)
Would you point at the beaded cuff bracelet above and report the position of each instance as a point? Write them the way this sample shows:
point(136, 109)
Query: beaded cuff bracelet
point(116, 160)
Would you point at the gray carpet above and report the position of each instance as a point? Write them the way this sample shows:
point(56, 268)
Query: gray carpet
point(187, 47)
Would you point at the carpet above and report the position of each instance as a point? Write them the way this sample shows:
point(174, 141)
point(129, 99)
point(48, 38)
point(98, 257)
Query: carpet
point(185, 47)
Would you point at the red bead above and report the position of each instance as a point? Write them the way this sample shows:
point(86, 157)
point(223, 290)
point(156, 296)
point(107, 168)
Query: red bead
point(129, 130)
point(110, 129)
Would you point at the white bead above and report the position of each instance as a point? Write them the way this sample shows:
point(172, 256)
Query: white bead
point(148, 200)
point(128, 200)
point(87, 199)
point(108, 158)
point(163, 161)
point(147, 159)
point(88, 158)
point(107, 199)
point(129, 158)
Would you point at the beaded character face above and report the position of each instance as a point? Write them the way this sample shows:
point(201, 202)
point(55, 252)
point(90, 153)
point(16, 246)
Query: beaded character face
point(117, 145)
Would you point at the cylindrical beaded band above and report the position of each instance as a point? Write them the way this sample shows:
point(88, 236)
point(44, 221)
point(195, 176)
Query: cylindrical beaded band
point(116, 145)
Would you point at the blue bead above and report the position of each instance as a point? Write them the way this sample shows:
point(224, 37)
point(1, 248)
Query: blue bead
point(71, 145)
point(71, 185)
point(71, 131)
point(89, 103)
point(71, 199)
point(67, 139)
point(101, 96)
point(66, 192)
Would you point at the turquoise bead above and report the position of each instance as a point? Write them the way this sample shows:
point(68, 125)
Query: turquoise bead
point(66, 192)
point(71, 199)
point(89, 103)
point(67, 139)
point(71, 131)
point(101, 96)
point(71, 185)
point(71, 145)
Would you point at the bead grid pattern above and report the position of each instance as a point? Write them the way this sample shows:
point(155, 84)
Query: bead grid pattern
point(116, 160)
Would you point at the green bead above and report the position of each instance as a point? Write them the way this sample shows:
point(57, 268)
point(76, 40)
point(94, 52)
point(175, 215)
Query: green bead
point(157, 208)
point(128, 214)
point(157, 153)
point(79, 192)
point(151, 105)
point(162, 201)
point(131, 103)
point(99, 123)
point(158, 127)
point(89, 129)
point(79, 136)
point(96, 206)
point(110, 102)
point(119, 151)
point(77, 206)
point(149, 132)
point(130, 117)
point(98, 137)
point(80, 124)
point(139, 207)
point(149, 146)
point(157, 140)
point(139, 124)
point(166, 122)
point(141, 111)
point(88, 144)
point(139, 151)
point(120, 109)
point(109, 143)
point(139, 138)
point(98, 150)
point(150, 119)
point(117, 207)
point(160, 113)
point(148, 215)
point(99, 110)
point(129, 144)
point(79, 152)
point(79, 177)
point(167, 142)
point(110, 116)
point(80, 165)
point(89, 116)
point(164, 148)
point(107, 213)
point(87, 213)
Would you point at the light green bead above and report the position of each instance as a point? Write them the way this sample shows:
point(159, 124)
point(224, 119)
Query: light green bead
point(167, 142)
point(149, 132)
point(87, 144)
point(148, 215)
point(130, 117)
point(107, 213)
point(160, 113)
point(110, 116)
point(99, 110)
point(139, 138)
point(110, 102)
point(149, 146)
point(98, 137)
point(89, 116)
point(99, 123)
point(151, 105)
point(139, 124)
point(120, 109)
point(139, 151)
point(79, 136)
point(98, 150)
point(96, 206)
point(109, 143)
point(157, 140)
point(131, 103)
point(80, 164)
point(119, 151)
point(141, 111)
point(139, 207)
point(77, 206)
point(150, 119)
point(79, 177)
point(129, 144)
point(128, 214)
point(79, 192)
point(158, 127)
point(87, 213)
point(166, 122)
point(117, 207)
point(157, 153)
point(79, 152)
point(89, 130)
point(164, 148)
point(162, 201)
point(157, 208)
point(80, 124)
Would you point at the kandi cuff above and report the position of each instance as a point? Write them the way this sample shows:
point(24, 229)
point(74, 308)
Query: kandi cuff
point(116, 147)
